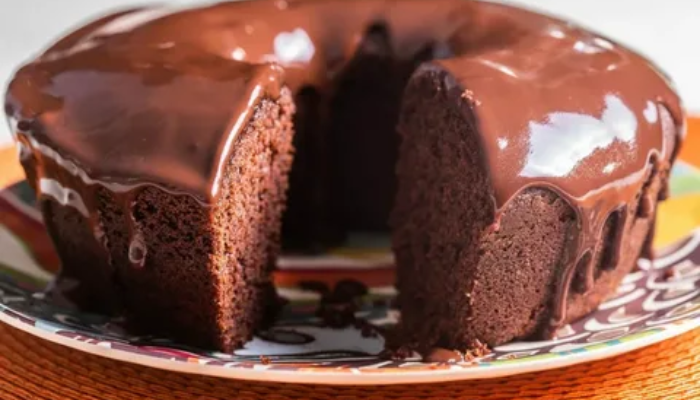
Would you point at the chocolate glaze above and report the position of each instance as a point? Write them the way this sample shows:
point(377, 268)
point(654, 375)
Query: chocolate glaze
point(157, 97)
point(571, 111)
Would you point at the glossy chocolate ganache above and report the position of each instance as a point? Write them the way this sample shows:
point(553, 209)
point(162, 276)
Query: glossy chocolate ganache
point(159, 97)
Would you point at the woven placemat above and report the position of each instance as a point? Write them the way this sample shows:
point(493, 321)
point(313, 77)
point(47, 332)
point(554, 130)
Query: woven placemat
point(31, 368)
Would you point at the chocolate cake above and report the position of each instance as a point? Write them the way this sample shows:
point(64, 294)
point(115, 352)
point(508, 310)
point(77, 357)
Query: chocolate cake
point(517, 215)
point(189, 252)
point(530, 158)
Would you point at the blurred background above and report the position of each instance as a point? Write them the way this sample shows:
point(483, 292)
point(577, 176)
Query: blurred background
point(666, 31)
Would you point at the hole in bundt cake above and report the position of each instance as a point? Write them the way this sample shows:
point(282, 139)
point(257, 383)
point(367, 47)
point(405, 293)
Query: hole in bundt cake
point(307, 217)
point(363, 140)
point(343, 177)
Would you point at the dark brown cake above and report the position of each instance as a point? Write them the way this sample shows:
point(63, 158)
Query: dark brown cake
point(488, 251)
point(159, 143)
point(195, 266)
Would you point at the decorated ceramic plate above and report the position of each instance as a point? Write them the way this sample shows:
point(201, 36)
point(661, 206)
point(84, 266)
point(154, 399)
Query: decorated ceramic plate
point(658, 301)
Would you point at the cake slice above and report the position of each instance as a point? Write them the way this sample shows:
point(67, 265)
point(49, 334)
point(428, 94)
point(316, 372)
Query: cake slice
point(159, 205)
point(517, 213)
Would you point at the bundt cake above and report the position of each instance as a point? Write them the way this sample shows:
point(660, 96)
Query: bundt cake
point(523, 179)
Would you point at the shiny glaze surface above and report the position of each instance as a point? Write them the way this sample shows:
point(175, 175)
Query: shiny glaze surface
point(155, 96)
point(562, 108)
point(122, 119)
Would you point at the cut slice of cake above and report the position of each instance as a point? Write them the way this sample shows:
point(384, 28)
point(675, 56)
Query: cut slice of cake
point(511, 220)
point(159, 205)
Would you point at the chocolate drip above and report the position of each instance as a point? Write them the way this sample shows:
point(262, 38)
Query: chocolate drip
point(605, 195)
point(618, 238)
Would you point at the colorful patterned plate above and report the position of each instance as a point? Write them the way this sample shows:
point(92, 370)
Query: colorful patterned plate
point(659, 301)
